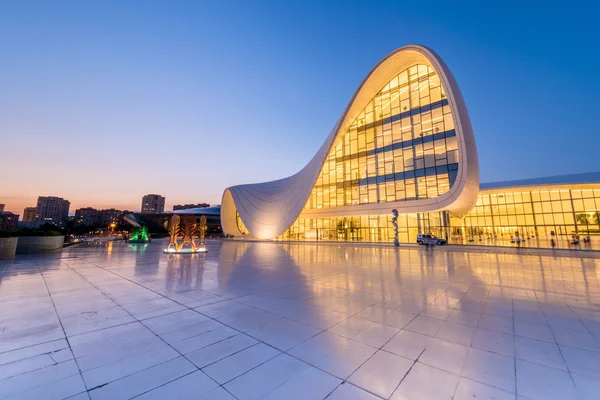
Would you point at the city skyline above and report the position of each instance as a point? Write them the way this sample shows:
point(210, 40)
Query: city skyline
point(169, 205)
point(103, 103)
point(133, 205)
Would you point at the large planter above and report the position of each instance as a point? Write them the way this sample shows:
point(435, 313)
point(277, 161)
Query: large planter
point(8, 247)
point(39, 244)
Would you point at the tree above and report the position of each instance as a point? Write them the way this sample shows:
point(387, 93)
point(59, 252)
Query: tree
point(597, 217)
point(340, 228)
point(583, 218)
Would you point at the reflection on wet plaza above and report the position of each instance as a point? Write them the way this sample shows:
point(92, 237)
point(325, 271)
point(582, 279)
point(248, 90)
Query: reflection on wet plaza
point(297, 320)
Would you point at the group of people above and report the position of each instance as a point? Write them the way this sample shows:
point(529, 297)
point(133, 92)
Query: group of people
point(574, 241)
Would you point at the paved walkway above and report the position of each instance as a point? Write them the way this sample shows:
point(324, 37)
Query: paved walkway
point(298, 321)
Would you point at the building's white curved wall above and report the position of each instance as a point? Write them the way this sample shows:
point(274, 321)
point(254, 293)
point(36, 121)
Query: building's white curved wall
point(268, 209)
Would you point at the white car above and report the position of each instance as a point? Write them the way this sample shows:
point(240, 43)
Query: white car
point(428, 238)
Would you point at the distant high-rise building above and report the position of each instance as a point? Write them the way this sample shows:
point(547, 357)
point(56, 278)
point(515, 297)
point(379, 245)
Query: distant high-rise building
point(9, 221)
point(1, 207)
point(52, 210)
point(109, 216)
point(86, 216)
point(188, 206)
point(29, 214)
point(153, 204)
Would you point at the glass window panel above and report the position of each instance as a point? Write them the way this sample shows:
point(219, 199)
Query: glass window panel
point(403, 77)
point(545, 195)
point(452, 157)
point(558, 219)
point(589, 204)
point(436, 94)
point(448, 122)
point(397, 131)
point(451, 143)
point(566, 205)
point(556, 206)
point(372, 194)
point(568, 218)
point(519, 209)
point(547, 207)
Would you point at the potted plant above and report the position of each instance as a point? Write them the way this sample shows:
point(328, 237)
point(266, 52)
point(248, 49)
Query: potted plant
point(8, 244)
point(43, 240)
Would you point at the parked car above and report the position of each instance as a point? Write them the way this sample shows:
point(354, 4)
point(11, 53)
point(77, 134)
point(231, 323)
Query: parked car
point(428, 238)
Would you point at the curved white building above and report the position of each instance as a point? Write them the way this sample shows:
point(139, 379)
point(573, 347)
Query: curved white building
point(403, 142)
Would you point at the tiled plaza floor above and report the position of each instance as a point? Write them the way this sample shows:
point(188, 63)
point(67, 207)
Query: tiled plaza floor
point(298, 321)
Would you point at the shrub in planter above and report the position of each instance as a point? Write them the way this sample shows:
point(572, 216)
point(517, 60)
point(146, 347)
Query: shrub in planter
point(37, 232)
point(39, 241)
point(8, 244)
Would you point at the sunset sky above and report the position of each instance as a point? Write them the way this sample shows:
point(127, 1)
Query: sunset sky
point(102, 102)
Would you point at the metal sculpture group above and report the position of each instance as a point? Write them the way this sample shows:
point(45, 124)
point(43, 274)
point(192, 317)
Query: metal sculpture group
point(186, 236)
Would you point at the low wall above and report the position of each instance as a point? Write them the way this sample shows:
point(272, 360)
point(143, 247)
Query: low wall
point(8, 247)
point(39, 244)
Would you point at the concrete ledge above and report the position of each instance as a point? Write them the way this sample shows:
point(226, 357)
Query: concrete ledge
point(39, 244)
point(8, 247)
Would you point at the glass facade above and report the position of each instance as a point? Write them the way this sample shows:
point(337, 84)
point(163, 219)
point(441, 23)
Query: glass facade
point(402, 146)
point(372, 228)
point(534, 214)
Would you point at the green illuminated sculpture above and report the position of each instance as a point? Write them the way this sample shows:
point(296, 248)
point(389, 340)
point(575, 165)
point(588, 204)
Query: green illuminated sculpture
point(139, 235)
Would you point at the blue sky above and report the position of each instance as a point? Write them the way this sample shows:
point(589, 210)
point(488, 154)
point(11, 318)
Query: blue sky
point(104, 101)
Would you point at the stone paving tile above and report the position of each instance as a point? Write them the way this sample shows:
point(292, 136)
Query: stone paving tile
point(296, 320)
point(143, 381)
point(188, 387)
point(382, 373)
point(239, 363)
point(217, 351)
point(267, 377)
point(426, 382)
point(55, 390)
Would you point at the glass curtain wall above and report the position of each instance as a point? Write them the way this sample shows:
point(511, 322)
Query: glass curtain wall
point(402, 146)
point(534, 215)
point(372, 228)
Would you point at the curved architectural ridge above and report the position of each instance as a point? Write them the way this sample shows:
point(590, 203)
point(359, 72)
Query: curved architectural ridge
point(269, 209)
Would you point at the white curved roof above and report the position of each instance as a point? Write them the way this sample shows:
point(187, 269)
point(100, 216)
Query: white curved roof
point(268, 209)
